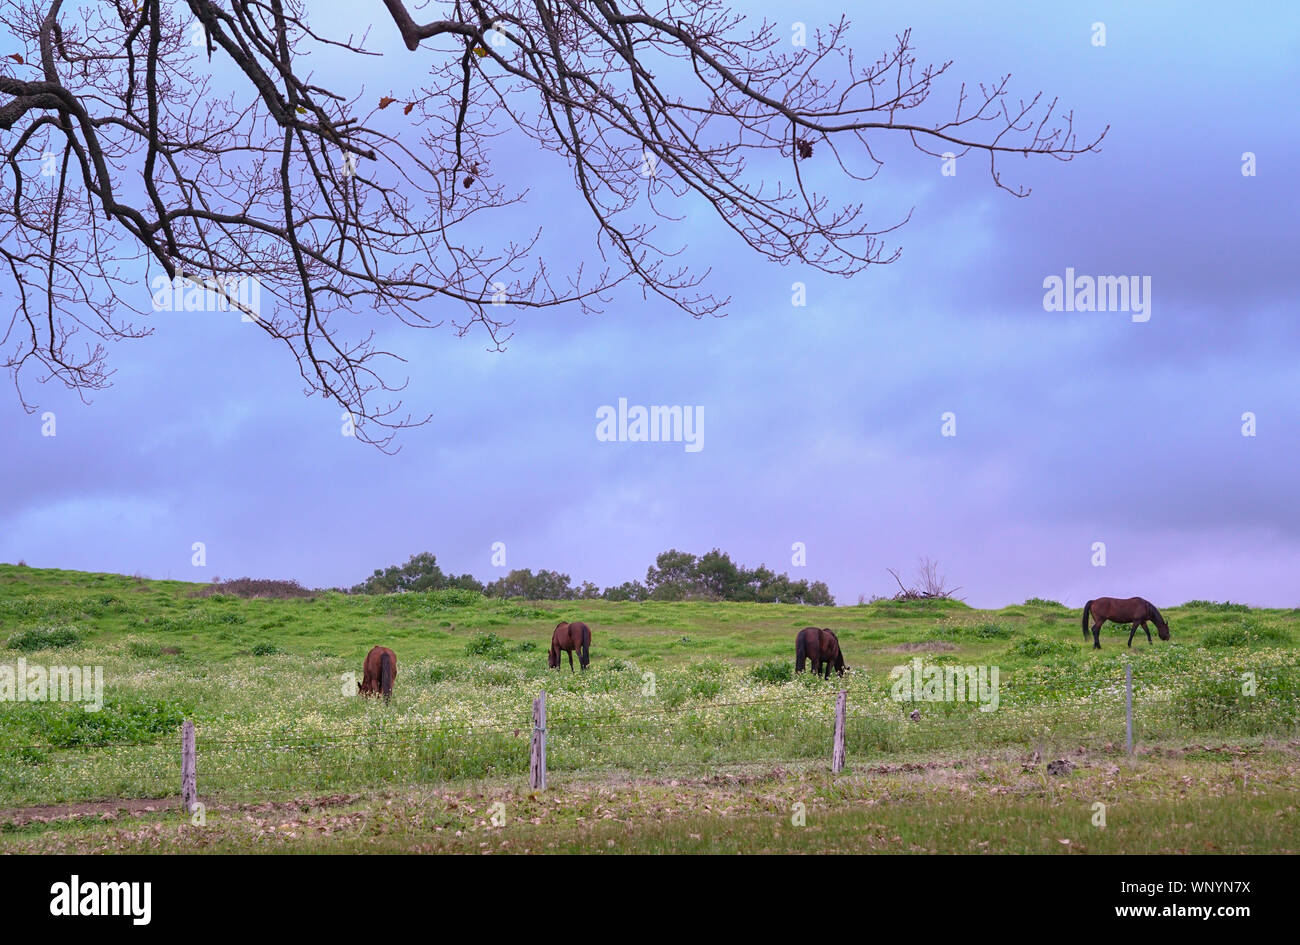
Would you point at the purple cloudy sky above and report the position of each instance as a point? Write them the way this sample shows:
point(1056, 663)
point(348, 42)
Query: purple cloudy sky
point(821, 423)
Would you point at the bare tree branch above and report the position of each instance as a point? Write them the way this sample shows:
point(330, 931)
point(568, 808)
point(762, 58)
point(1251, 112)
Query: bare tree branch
point(118, 153)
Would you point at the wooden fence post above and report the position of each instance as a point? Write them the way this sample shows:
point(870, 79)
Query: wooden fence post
point(189, 775)
point(1128, 706)
point(537, 759)
point(837, 754)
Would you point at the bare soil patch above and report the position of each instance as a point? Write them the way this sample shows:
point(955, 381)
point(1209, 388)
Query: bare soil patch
point(933, 646)
point(117, 807)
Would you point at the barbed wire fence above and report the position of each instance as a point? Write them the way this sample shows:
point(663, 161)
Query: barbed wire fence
point(828, 727)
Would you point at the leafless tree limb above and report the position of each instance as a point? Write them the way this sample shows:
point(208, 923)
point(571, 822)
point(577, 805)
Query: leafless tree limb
point(121, 149)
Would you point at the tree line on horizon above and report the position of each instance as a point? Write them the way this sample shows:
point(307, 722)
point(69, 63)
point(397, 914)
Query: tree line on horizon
point(675, 575)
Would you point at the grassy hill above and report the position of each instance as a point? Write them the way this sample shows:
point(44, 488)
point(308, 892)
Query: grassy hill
point(677, 692)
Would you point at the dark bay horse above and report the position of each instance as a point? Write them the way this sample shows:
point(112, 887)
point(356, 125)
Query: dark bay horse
point(570, 637)
point(378, 673)
point(1130, 610)
point(820, 646)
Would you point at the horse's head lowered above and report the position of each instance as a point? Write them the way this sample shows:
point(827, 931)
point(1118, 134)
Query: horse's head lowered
point(831, 649)
point(553, 657)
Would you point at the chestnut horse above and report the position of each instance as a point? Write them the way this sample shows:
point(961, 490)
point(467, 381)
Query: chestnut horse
point(820, 646)
point(378, 673)
point(1130, 610)
point(570, 636)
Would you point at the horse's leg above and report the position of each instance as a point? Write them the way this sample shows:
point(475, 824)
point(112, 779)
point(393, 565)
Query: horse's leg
point(1132, 629)
point(1147, 631)
point(570, 660)
point(1096, 635)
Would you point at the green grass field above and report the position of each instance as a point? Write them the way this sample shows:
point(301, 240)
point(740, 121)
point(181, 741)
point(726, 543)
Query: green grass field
point(689, 732)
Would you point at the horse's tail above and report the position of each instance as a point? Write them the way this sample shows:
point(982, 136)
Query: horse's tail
point(386, 673)
point(585, 654)
point(1086, 608)
point(800, 653)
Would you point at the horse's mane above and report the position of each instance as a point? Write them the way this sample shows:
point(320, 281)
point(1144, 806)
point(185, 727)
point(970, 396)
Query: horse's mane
point(1155, 611)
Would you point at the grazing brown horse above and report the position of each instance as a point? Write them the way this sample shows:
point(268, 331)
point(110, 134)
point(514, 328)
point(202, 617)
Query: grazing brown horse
point(820, 646)
point(378, 673)
point(570, 636)
point(1130, 610)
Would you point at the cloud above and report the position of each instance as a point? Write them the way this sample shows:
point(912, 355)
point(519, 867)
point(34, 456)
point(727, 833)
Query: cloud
point(822, 421)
